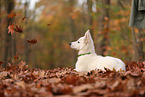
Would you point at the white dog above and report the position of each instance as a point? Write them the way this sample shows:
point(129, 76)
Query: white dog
point(88, 60)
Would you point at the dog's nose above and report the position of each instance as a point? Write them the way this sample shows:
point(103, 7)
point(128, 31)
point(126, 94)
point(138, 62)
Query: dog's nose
point(70, 43)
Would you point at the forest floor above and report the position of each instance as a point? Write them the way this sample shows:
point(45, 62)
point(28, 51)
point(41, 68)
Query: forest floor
point(19, 81)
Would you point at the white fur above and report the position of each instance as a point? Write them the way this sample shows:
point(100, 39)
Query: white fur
point(93, 61)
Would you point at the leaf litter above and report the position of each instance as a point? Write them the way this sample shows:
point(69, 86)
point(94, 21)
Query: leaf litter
point(19, 81)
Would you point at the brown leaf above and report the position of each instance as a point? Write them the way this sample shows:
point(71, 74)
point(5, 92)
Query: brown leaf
point(23, 18)
point(81, 88)
point(131, 84)
point(65, 89)
point(1, 62)
point(117, 86)
point(18, 29)
point(3, 74)
point(100, 84)
point(21, 84)
point(71, 79)
point(99, 92)
point(54, 80)
point(39, 84)
point(48, 24)
point(143, 78)
point(41, 73)
point(33, 41)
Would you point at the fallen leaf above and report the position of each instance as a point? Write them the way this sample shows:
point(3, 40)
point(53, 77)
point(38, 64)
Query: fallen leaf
point(116, 86)
point(131, 84)
point(66, 89)
point(54, 80)
point(3, 74)
point(143, 78)
point(81, 88)
point(21, 84)
point(41, 73)
point(100, 84)
point(99, 92)
point(8, 80)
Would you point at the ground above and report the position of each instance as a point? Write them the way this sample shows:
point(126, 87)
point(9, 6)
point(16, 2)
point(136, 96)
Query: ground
point(19, 81)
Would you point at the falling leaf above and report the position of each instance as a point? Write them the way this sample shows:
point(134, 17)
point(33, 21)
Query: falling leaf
point(11, 15)
point(18, 29)
point(16, 57)
point(11, 29)
point(106, 18)
point(33, 41)
point(136, 30)
point(23, 18)
point(48, 24)
point(1, 62)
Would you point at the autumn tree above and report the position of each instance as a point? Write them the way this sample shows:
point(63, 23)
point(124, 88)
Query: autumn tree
point(9, 8)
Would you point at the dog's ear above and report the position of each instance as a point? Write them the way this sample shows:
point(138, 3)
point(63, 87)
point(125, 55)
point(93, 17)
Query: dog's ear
point(88, 36)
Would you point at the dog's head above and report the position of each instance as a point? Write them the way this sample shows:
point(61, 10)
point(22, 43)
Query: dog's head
point(83, 42)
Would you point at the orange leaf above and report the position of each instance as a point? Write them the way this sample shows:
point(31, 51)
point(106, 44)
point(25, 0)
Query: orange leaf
point(16, 57)
point(11, 29)
point(11, 15)
point(106, 18)
point(136, 30)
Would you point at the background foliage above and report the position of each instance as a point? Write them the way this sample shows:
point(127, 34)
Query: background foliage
point(55, 23)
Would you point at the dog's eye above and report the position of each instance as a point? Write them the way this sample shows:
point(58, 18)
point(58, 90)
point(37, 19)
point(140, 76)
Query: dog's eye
point(78, 42)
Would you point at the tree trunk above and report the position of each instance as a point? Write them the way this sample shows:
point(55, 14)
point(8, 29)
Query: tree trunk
point(72, 24)
point(52, 59)
point(9, 8)
point(0, 18)
point(14, 50)
point(90, 18)
point(104, 26)
point(0, 27)
point(27, 50)
point(138, 45)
